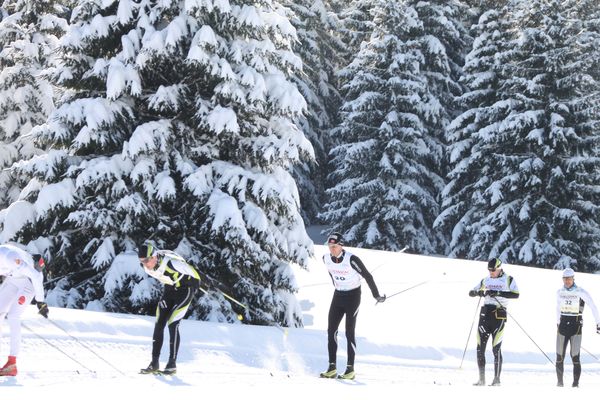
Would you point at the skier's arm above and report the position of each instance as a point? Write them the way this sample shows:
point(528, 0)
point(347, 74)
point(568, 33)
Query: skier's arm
point(511, 293)
point(590, 302)
point(359, 267)
point(38, 287)
point(558, 307)
point(188, 274)
point(478, 290)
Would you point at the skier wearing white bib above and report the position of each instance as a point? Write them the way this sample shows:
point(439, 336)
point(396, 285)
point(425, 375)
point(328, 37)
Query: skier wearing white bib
point(497, 288)
point(24, 282)
point(570, 301)
point(181, 281)
point(346, 271)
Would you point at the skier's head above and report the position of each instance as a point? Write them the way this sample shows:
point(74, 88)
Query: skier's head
point(147, 255)
point(38, 262)
point(568, 277)
point(568, 273)
point(335, 238)
point(335, 241)
point(494, 264)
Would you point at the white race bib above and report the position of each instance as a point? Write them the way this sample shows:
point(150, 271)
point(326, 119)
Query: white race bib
point(569, 303)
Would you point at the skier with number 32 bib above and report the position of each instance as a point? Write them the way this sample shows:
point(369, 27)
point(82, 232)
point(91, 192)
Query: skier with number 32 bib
point(570, 300)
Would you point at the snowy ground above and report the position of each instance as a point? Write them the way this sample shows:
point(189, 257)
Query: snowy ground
point(411, 344)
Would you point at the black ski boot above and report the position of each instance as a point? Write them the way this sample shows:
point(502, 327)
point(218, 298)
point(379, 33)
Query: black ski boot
point(330, 373)
point(481, 381)
point(171, 368)
point(151, 369)
point(349, 374)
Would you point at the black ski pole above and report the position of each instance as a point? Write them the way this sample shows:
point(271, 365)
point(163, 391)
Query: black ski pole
point(590, 353)
point(244, 306)
point(382, 264)
point(55, 347)
point(470, 331)
point(407, 289)
point(233, 300)
point(86, 346)
point(404, 290)
point(524, 331)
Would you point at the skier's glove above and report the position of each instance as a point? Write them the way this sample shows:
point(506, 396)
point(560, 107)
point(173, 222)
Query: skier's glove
point(475, 293)
point(492, 293)
point(380, 299)
point(598, 328)
point(43, 309)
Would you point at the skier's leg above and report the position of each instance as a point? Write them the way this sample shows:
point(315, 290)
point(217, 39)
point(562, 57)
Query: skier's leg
point(14, 298)
point(8, 296)
point(162, 315)
point(561, 348)
point(497, 337)
point(482, 338)
point(351, 315)
point(575, 350)
point(13, 318)
point(174, 340)
point(186, 295)
point(336, 313)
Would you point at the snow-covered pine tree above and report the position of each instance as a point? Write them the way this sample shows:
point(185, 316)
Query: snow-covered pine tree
point(29, 33)
point(355, 26)
point(320, 52)
point(445, 42)
point(179, 129)
point(384, 193)
point(588, 11)
point(245, 198)
point(539, 203)
point(467, 134)
point(441, 41)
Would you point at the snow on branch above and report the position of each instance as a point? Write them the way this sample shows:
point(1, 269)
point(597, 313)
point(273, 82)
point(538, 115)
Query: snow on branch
point(14, 218)
point(54, 195)
point(149, 137)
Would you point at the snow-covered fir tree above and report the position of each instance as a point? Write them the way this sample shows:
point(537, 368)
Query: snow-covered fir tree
point(588, 11)
point(436, 40)
point(537, 200)
point(445, 42)
point(465, 134)
point(355, 26)
point(384, 193)
point(178, 129)
point(320, 51)
point(29, 32)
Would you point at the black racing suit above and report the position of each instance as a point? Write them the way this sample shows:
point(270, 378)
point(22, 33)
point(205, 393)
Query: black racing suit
point(346, 302)
point(492, 319)
point(181, 281)
point(170, 310)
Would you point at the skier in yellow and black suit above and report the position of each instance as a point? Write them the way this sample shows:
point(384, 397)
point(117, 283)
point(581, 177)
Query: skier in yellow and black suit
point(496, 288)
point(181, 281)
